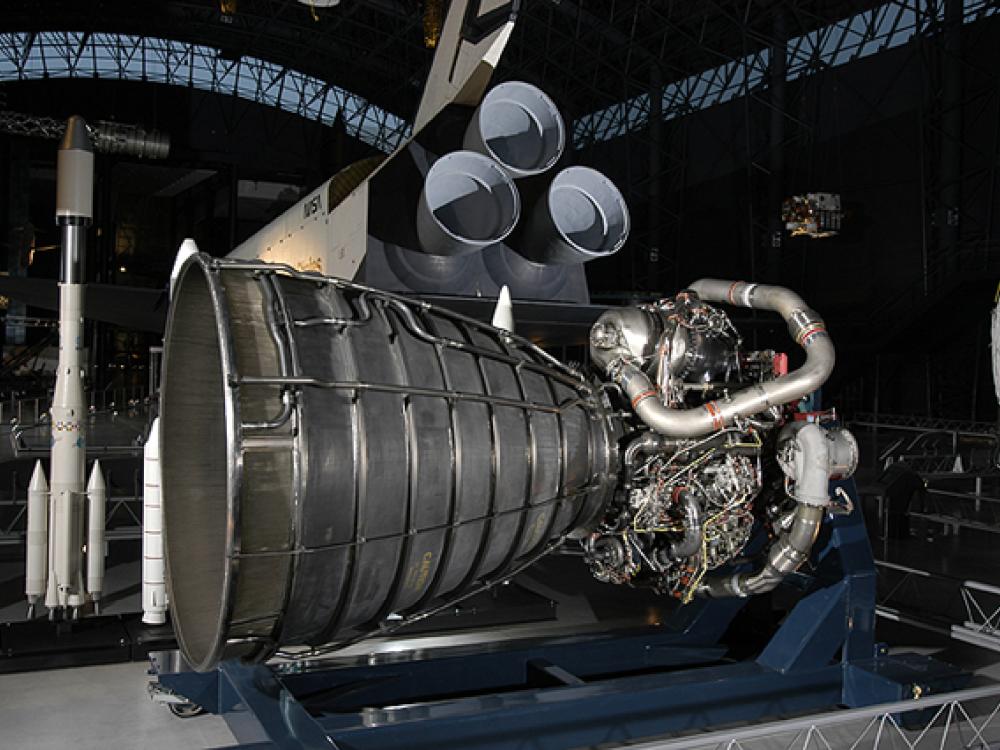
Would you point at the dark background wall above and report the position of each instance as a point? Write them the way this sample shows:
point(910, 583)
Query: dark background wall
point(894, 285)
point(905, 289)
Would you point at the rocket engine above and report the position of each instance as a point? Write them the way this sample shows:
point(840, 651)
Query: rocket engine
point(712, 451)
point(336, 458)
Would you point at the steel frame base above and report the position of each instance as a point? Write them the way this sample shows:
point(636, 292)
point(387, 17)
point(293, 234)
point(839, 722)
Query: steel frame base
point(589, 691)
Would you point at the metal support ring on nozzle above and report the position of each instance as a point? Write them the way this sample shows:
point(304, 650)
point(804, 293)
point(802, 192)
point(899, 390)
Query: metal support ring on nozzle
point(518, 126)
point(468, 203)
point(582, 216)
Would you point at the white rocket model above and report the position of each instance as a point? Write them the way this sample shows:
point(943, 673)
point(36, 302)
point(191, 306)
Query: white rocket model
point(42, 548)
point(154, 572)
point(74, 210)
point(56, 514)
point(97, 498)
point(154, 582)
point(36, 570)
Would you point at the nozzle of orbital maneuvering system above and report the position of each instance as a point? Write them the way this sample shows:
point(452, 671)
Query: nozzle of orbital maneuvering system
point(37, 563)
point(97, 497)
point(467, 203)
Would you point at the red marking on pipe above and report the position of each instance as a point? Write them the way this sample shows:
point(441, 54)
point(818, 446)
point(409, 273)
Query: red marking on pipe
point(809, 333)
point(713, 409)
point(642, 397)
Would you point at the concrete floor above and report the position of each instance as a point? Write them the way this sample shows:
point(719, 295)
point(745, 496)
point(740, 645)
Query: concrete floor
point(97, 708)
point(107, 707)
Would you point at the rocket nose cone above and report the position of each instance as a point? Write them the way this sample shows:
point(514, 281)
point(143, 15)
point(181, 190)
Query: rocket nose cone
point(503, 314)
point(76, 136)
point(152, 449)
point(96, 481)
point(38, 481)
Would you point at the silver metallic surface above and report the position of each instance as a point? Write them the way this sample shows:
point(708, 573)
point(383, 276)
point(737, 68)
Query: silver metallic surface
point(75, 168)
point(808, 464)
point(691, 543)
point(835, 450)
point(784, 557)
point(467, 203)
point(623, 334)
point(518, 126)
point(358, 455)
point(646, 442)
point(843, 453)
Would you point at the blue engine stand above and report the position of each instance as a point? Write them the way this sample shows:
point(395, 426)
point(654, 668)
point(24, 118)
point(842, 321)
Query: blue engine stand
point(587, 691)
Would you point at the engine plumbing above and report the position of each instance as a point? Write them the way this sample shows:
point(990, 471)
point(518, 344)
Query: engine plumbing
point(712, 447)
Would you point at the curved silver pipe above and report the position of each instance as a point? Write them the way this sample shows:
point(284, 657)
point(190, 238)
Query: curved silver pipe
point(784, 557)
point(693, 528)
point(647, 442)
point(612, 344)
point(519, 127)
point(812, 458)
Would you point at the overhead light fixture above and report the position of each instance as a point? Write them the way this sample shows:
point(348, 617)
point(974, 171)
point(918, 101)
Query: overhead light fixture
point(314, 4)
point(433, 20)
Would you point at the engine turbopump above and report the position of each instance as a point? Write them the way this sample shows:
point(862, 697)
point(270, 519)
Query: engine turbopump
point(710, 429)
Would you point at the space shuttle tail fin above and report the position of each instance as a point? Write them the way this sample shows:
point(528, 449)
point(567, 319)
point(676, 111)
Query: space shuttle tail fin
point(474, 35)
